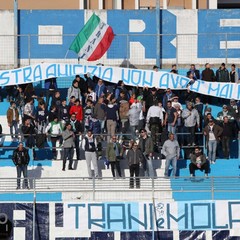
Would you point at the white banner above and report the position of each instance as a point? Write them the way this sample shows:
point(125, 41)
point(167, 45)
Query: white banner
point(133, 77)
point(142, 216)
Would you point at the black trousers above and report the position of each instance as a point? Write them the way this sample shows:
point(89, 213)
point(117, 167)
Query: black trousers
point(193, 167)
point(225, 146)
point(117, 166)
point(134, 170)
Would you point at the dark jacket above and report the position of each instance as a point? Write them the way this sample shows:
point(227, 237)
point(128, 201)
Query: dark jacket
point(217, 131)
point(193, 158)
point(148, 145)
point(20, 157)
point(134, 157)
point(50, 83)
point(208, 75)
point(196, 74)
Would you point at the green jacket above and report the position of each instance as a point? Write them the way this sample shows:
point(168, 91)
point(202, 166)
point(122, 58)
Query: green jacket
point(110, 152)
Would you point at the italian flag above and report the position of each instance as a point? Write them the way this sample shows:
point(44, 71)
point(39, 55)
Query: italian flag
point(93, 40)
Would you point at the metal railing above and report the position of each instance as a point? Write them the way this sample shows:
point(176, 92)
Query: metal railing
point(99, 188)
point(33, 49)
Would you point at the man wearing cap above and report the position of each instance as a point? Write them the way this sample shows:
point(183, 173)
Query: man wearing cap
point(212, 133)
point(68, 146)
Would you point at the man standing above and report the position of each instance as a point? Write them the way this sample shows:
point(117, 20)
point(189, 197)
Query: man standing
point(171, 151)
point(198, 162)
point(114, 154)
point(146, 146)
point(191, 120)
point(170, 118)
point(21, 159)
point(68, 146)
point(134, 159)
point(13, 119)
point(213, 133)
point(89, 145)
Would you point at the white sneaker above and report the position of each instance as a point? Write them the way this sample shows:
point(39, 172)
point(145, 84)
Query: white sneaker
point(206, 175)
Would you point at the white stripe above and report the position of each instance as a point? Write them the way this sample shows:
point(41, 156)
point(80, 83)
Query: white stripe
point(230, 44)
point(101, 27)
point(229, 22)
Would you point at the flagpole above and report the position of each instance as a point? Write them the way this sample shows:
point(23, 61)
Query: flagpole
point(66, 54)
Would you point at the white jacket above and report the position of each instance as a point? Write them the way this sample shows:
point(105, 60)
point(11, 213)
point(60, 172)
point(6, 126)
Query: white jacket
point(155, 111)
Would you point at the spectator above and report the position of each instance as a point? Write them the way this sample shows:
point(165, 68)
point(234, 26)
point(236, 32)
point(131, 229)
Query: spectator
point(121, 89)
point(167, 97)
point(155, 120)
point(222, 74)
point(134, 116)
point(191, 120)
point(208, 74)
point(198, 162)
point(111, 117)
point(78, 110)
point(146, 146)
point(175, 102)
point(68, 146)
point(233, 75)
point(13, 120)
point(29, 110)
point(199, 107)
point(170, 118)
point(71, 102)
point(149, 98)
point(78, 130)
point(50, 87)
point(91, 94)
point(41, 118)
point(29, 91)
point(54, 128)
point(114, 154)
point(155, 68)
point(224, 113)
point(174, 69)
point(64, 114)
point(212, 133)
point(179, 126)
point(28, 129)
point(123, 113)
point(74, 90)
point(189, 96)
point(21, 160)
point(134, 159)
point(99, 112)
point(88, 112)
point(89, 145)
point(227, 136)
point(56, 101)
point(20, 101)
point(52, 113)
point(235, 111)
point(82, 85)
point(100, 89)
point(171, 151)
point(194, 72)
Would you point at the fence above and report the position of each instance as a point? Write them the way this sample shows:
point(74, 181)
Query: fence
point(127, 50)
point(100, 189)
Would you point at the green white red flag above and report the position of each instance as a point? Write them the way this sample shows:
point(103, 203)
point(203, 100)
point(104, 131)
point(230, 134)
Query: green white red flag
point(93, 40)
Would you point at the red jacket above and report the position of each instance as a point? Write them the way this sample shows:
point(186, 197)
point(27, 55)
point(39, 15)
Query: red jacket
point(78, 110)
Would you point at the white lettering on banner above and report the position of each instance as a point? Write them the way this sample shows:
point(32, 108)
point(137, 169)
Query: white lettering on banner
point(133, 77)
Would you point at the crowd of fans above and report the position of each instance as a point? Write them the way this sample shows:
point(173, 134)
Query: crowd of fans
point(118, 114)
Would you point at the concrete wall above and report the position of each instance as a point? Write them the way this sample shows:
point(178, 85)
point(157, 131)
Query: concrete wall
point(189, 36)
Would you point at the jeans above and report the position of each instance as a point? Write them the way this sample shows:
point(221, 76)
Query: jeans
point(102, 123)
point(171, 129)
point(14, 126)
point(22, 169)
point(54, 143)
point(68, 153)
point(212, 148)
point(133, 131)
point(149, 172)
point(172, 161)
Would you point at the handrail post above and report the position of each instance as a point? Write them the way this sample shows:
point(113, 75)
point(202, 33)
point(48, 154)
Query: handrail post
point(34, 206)
point(212, 187)
point(94, 186)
